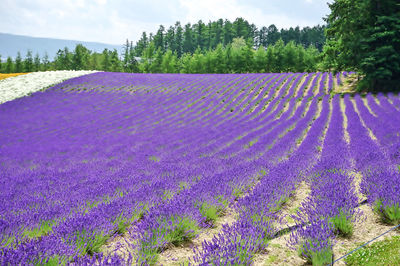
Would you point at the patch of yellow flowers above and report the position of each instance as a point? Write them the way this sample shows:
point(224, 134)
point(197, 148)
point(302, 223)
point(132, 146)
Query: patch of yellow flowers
point(4, 76)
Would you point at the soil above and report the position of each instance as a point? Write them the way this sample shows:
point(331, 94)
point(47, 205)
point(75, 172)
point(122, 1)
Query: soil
point(181, 254)
point(349, 85)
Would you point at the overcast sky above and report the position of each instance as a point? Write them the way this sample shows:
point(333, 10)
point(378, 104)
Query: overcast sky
point(113, 21)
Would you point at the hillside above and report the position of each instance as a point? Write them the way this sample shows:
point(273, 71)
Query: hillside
point(11, 44)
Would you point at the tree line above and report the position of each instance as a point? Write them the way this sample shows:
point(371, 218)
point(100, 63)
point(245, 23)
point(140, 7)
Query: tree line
point(239, 56)
point(188, 38)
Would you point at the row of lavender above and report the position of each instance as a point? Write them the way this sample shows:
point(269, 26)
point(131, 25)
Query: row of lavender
point(88, 158)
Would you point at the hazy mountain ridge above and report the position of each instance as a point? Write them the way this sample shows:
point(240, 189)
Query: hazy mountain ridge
point(11, 44)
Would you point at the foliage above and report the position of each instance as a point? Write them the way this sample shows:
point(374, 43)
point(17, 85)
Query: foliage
point(364, 35)
point(318, 257)
point(389, 213)
point(175, 230)
point(208, 36)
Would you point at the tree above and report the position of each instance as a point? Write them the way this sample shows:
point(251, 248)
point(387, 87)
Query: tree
point(45, 62)
point(381, 46)
point(28, 62)
point(169, 62)
point(147, 58)
point(188, 42)
point(178, 39)
point(290, 57)
point(364, 35)
point(80, 58)
point(219, 63)
point(131, 64)
point(1, 65)
point(125, 55)
point(116, 65)
point(141, 44)
point(228, 32)
point(155, 65)
point(279, 47)
point(36, 63)
point(263, 37)
point(260, 60)
point(9, 65)
point(272, 35)
point(159, 41)
point(270, 59)
point(199, 34)
point(106, 64)
point(18, 63)
point(170, 39)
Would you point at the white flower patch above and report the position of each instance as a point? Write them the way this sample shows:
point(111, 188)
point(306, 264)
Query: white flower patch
point(19, 86)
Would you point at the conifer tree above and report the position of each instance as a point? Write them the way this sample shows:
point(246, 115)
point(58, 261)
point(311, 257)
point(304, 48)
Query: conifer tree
point(9, 68)
point(18, 63)
point(36, 63)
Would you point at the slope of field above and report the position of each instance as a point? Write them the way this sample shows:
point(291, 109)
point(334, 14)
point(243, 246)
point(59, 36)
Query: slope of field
point(138, 168)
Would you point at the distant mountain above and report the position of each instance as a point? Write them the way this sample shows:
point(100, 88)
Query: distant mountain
point(11, 44)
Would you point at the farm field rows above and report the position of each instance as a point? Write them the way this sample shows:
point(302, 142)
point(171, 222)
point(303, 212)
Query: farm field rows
point(115, 168)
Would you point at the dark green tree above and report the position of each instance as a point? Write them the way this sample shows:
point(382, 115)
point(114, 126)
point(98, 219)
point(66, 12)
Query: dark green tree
point(156, 61)
point(272, 35)
point(188, 41)
point(28, 62)
point(116, 64)
point(228, 32)
point(364, 35)
point(260, 60)
point(106, 62)
point(9, 68)
point(46, 62)
point(80, 58)
point(18, 63)
point(290, 57)
point(178, 39)
point(141, 44)
point(132, 65)
point(170, 39)
point(36, 62)
point(381, 46)
point(159, 41)
point(169, 63)
point(199, 34)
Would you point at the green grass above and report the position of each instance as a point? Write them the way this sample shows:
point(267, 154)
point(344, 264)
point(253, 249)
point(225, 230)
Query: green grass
point(342, 224)
point(51, 261)
point(154, 158)
point(176, 230)
point(43, 229)
point(122, 223)
point(90, 243)
point(7, 241)
point(386, 252)
point(251, 143)
point(210, 212)
point(319, 258)
point(389, 214)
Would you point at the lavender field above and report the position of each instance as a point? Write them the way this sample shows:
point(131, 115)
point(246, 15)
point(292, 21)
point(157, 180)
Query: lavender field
point(116, 168)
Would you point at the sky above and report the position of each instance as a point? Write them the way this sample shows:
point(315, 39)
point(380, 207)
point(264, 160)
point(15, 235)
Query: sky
point(114, 21)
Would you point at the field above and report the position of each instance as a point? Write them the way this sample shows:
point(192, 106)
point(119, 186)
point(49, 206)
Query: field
point(232, 169)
